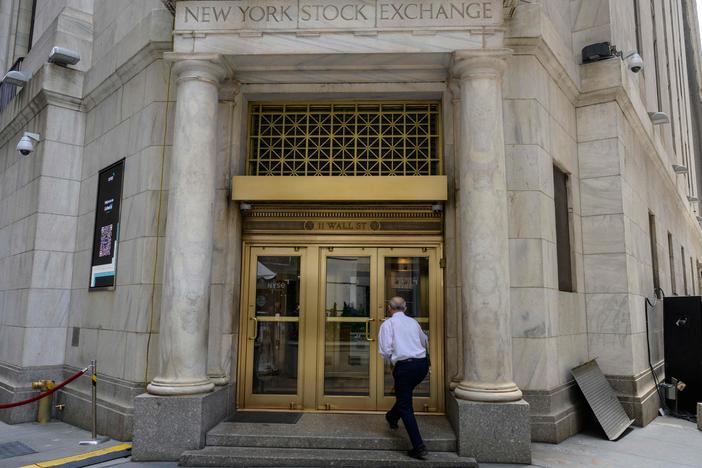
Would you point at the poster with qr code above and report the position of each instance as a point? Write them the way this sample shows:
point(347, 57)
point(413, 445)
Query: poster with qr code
point(105, 241)
point(106, 235)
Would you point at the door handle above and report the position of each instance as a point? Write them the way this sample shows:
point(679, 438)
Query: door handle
point(368, 337)
point(252, 338)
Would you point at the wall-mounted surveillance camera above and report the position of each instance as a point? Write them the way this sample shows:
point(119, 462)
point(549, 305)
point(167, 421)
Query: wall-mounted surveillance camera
point(658, 118)
point(63, 56)
point(437, 207)
point(17, 78)
point(634, 62)
point(245, 207)
point(680, 169)
point(596, 52)
point(692, 198)
point(26, 144)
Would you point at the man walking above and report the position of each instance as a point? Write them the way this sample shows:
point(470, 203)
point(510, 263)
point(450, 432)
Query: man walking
point(402, 342)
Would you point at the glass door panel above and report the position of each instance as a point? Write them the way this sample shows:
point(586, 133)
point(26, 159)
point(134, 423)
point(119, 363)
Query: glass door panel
point(275, 306)
point(407, 273)
point(348, 344)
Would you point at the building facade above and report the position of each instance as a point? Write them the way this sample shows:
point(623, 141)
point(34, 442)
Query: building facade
point(281, 168)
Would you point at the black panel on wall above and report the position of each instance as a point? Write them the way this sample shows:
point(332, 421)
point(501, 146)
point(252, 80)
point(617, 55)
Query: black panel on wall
point(683, 347)
point(106, 235)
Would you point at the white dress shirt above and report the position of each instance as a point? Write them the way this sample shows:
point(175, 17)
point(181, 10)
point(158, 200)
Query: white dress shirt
point(401, 337)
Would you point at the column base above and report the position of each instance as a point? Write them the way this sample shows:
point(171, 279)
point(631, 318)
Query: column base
point(219, 380)
point(508, 393)
point(491, 432)
point(165, 427)
point(164, 388)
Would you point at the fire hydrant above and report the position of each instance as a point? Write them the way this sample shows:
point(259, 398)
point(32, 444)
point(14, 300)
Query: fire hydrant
point(44, 413)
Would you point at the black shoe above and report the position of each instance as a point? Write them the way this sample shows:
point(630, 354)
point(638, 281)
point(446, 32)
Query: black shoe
point(393, 425)
point(419, 454)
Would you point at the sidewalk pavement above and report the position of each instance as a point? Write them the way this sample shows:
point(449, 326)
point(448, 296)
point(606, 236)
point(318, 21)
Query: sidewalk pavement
point(666, 442)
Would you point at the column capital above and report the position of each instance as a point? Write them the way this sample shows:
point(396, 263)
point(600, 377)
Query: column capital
point(203, 67)
point(480, 63)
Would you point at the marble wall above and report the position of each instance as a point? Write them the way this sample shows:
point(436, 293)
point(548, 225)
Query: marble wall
point(548, 325)
point(128, 118)
point(619, 166)
point(129, 115)
point(37, 234)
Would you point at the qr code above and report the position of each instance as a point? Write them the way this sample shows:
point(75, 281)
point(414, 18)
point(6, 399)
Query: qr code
point(105, 241)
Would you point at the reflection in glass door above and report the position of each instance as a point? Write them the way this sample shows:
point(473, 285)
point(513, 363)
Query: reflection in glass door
point(275, 304)
point(348, 344)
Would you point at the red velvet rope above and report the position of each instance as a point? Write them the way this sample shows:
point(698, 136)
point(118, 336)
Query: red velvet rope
point(44, 394)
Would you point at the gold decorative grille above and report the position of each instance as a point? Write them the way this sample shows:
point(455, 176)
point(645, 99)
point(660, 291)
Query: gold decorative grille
point(345, 139)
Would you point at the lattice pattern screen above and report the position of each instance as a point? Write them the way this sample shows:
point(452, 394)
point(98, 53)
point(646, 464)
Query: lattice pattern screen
point(350, 139)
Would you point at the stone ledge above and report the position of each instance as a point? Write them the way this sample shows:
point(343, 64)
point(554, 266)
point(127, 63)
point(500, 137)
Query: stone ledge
point(555, 429)
point(556, 414)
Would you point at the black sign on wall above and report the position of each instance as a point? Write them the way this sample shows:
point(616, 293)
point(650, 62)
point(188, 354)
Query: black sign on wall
point(106, 235)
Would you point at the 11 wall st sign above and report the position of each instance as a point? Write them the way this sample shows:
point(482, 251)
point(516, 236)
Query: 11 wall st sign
point(257, 15)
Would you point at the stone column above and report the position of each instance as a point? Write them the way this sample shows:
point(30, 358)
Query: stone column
point(454, 88)
point(490, 418)
point(189, 231)
point(485, 312)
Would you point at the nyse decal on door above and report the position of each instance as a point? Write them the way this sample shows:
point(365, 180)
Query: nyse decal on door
point(334, 14)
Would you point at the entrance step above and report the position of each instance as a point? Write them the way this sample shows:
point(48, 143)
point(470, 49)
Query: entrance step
point(258, 456)
point(334, 431)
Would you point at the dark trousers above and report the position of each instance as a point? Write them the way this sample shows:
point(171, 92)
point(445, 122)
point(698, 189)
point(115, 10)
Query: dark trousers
point(407, 375)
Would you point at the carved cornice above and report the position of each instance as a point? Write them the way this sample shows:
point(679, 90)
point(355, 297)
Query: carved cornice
point(50, 85)
point(145, 57)
point(537, 47)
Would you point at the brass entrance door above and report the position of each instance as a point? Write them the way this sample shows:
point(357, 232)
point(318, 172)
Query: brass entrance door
point(348, 295)
point(277, 305)
point(312, 319)
point(413, 274)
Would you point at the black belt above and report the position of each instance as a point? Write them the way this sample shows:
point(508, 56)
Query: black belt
point(412, 360)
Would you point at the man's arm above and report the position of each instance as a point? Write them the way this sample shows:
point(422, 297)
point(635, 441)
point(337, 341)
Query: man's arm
point(423, 338)
point(385, 341)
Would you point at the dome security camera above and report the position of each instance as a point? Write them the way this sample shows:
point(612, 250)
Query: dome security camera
point(26, 144)
point(634, 61)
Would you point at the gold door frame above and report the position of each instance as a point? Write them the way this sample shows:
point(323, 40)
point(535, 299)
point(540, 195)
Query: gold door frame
point(310, 381)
